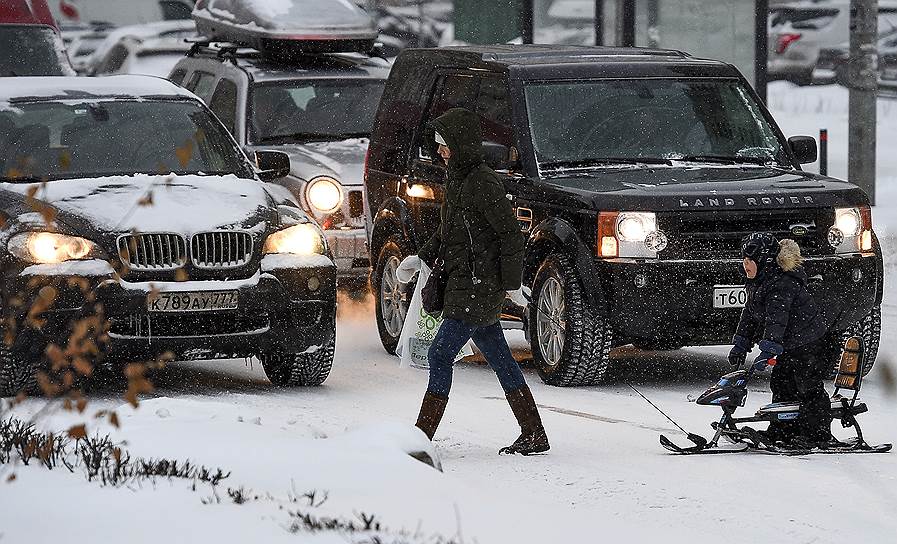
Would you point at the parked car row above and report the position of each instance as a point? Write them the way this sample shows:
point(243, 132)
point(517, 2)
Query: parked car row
point(809, 41)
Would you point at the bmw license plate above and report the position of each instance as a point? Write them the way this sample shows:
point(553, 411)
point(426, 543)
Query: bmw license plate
point(729, 296)
point(192, 301)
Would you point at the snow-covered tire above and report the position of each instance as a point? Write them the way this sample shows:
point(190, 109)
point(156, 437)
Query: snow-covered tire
point(299, 369)
point(869, 329)
point(385, 289)
point(17, 374)
point(583, 357)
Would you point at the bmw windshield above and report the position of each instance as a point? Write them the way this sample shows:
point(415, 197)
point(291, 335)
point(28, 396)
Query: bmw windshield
point(94, 138)
point(654, 121)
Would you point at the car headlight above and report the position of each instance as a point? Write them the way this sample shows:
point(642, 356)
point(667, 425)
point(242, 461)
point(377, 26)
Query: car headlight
point(324, 194)
point(304, 239)
point(851, 230)
point(630, 235)
point(50, 247)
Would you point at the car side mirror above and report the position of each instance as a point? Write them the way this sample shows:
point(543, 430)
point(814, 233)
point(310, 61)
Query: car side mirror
point(272, 164)
point(804, 148)
point(498, 156)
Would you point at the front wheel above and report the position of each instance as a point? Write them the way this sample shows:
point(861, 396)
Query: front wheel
point(571, 342)
point(300, 369)
point(389, 296)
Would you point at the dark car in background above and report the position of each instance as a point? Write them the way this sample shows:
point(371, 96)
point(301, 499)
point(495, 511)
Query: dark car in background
point(30, 44)
point(634, 174)
point(124, 200)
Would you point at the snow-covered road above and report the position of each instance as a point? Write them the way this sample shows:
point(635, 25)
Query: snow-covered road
point(605, 477)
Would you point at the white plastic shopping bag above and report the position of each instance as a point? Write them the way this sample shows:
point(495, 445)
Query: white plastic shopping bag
point(420, 329)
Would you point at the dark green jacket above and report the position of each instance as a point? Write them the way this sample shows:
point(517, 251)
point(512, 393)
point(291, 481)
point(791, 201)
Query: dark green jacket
point(484, 257)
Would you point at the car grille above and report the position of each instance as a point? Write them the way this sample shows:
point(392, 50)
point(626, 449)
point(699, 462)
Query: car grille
point(151, 326)
point(718, 234)
point(158, 251)
point(222, 249)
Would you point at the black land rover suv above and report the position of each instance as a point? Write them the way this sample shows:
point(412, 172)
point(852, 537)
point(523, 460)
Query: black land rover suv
point(635, 174)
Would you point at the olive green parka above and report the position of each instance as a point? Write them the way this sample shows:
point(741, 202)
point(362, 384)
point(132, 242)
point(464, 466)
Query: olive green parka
point(478, 237)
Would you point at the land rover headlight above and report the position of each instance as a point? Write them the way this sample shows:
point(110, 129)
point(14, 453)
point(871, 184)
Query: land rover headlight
point(324, 194)
point(51, 248)
point(851, 230)
point(304, 239)
point(630, 235)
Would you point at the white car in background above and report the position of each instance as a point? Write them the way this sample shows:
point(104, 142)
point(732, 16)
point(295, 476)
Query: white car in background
point(153, 57)
point(798, 31)
point(85, 24)
point(177, 29)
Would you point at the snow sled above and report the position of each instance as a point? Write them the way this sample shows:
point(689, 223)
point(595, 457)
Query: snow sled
point(287, 27)
point(731, 393)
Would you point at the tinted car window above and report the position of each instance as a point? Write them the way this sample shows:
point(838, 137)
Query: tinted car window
point(807, 19)
point(175, 10)
point(583, 121)
point(224, 104)
point(177, 77)
point(31, 51)
point(452, 91)
point(56, 140)
point(114, 60)
point(494, 110)
point(201, 84)
point(313, 110)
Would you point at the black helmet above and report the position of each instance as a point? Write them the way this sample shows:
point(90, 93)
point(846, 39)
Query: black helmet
point(760, 247)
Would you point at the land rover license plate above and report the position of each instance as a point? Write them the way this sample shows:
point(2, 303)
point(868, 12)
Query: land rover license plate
point(729, 296)
point(192, 301)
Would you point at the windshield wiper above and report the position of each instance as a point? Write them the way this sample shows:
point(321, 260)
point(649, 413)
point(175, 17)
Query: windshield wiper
point(723, 159)
point(310, 137)
point(574, 163)
point(23, 179)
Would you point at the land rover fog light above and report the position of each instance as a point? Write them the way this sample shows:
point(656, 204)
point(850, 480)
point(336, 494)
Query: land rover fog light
point(608, 246)
point(641, 280)
point(314, 283)
point(857, 275)
point(835, 237)
point(866, 241)
point(656, 241)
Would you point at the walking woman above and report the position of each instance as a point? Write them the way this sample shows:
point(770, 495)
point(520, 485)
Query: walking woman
point(481, 246)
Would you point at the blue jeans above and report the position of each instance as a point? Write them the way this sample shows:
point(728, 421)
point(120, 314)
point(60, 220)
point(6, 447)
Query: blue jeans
point(452, 336)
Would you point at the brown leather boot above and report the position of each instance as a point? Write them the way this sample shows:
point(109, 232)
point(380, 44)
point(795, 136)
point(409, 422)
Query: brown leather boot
point(532, 437)
point(431, 410)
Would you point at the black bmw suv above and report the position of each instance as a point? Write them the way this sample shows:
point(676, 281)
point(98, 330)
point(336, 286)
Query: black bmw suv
point(126, 209)
point(635, 174)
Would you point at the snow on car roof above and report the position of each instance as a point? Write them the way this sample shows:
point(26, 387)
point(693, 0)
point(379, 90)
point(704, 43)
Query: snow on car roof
point(14, 89)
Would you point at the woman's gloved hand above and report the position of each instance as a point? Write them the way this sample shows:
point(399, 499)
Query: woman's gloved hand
point(739, 351)
point(769, 352)
point(408, 268)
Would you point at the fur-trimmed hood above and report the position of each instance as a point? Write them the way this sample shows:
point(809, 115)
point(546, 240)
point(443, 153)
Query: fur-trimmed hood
point(789, 258)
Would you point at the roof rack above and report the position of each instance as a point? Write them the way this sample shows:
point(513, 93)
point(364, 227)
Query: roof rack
point(234, 51)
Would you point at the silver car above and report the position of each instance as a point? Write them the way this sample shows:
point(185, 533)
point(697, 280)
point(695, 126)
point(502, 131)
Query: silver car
point(798, 31)
point(319, 109)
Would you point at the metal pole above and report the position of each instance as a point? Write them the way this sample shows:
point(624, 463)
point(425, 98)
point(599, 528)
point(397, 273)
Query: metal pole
point(599, 22)
point(823, 151)
point(527, 20)
point(863, 82)
point(761, 47)
point(626, 23)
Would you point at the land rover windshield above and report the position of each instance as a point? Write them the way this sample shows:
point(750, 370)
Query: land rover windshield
point(597, 122)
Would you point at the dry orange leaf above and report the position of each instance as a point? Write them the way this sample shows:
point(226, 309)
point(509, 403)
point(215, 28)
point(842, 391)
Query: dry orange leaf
point(78, 431)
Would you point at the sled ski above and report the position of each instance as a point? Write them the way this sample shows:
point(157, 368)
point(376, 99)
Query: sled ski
point(702, 449)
